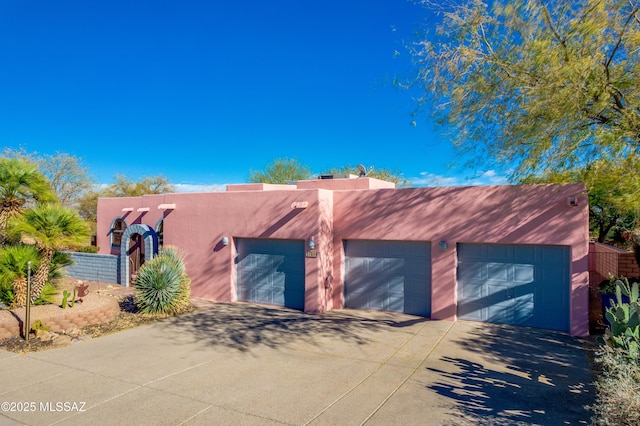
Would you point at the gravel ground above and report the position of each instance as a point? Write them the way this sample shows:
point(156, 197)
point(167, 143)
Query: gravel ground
point(128, 318)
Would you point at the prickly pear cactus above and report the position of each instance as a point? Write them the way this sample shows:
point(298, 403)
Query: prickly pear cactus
point(624, 318)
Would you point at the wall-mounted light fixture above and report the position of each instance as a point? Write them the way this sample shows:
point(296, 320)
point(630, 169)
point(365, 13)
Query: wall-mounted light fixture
point(312, 243)
point(443, 245)
point(225, 241)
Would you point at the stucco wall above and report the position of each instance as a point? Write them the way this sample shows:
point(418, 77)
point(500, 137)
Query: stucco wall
point(200, 220)
point(538, 214)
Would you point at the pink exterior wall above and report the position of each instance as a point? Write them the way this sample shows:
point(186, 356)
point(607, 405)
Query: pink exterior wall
point(200, 220)
point(538, 214)
point(345, 184)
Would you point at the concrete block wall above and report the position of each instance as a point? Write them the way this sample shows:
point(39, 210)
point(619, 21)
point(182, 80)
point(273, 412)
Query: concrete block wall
point(94, 267)
point(627, 265)
point(604, 259)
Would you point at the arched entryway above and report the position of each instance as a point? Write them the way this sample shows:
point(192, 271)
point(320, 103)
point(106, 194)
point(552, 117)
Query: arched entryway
point(139, 244)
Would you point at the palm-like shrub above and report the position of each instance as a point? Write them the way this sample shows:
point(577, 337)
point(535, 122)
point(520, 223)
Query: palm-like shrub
point(20, 184)
point(54, 228)
point(13, 273)
point(162, 286)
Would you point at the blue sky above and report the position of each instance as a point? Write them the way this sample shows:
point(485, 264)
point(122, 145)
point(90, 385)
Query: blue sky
point(202, 92)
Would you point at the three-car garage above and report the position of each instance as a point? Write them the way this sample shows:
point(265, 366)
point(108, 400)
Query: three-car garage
point(524, 285)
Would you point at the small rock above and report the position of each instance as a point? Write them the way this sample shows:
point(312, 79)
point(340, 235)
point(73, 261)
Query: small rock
point(74, 331)
point(62, 340)
point(44, 335)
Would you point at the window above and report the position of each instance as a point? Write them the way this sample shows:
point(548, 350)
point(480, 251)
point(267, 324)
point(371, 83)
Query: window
point(117, 229)
point(160, 233)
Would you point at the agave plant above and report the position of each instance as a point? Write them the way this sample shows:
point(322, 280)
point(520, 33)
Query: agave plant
point(161, 285)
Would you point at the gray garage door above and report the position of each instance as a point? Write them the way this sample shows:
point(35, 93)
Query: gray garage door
point(388, 276)
point(271, 272)
point(514, 284)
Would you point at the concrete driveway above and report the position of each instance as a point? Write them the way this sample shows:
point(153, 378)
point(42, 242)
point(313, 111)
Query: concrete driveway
point(244, 364)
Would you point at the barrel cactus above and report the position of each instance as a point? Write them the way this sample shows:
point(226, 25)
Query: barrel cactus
point(161, 286)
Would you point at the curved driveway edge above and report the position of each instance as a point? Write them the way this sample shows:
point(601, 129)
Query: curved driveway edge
point(248, 364)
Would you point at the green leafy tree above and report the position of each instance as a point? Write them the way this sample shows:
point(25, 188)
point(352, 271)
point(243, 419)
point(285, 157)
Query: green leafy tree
point(382, 174)
point(124, 186)
point(21, 184)
point(88, 206)
point(53, 228)
point(68, 177)
point(280, 171)
point(613, 190)
point(536, 85)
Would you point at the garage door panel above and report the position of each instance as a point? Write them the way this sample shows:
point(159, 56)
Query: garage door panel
point(388, 275)
point(271, 272)
point(498, 271)
point(473, 270)
point(523, 273)
point(516, 285)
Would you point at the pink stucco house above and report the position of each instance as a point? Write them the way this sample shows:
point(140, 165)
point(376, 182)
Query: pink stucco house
point(503, 254)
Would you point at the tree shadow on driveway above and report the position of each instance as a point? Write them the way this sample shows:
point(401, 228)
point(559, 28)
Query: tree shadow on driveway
point(518, 375)
point(242, 326)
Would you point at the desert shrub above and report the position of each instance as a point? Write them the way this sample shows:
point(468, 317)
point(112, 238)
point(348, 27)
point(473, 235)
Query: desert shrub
point(85, 249)
point(58, 263)
point(14, 262)
point(6, 295)
point(162, 286)
point(47, 295)
point(618, 399)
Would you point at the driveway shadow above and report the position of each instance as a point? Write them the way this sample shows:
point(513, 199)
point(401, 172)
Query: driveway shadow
point(242, 326)
point(518, 375)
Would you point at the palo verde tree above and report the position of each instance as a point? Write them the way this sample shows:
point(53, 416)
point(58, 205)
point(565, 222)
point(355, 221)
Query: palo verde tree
point(378, 173)
point(282, 171)
point(613, 190)
point(536, 85)
point(122, 186)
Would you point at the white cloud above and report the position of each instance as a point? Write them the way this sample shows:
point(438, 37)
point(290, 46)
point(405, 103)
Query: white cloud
point(430, 179)
point(488, 177)
point(188, 187)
